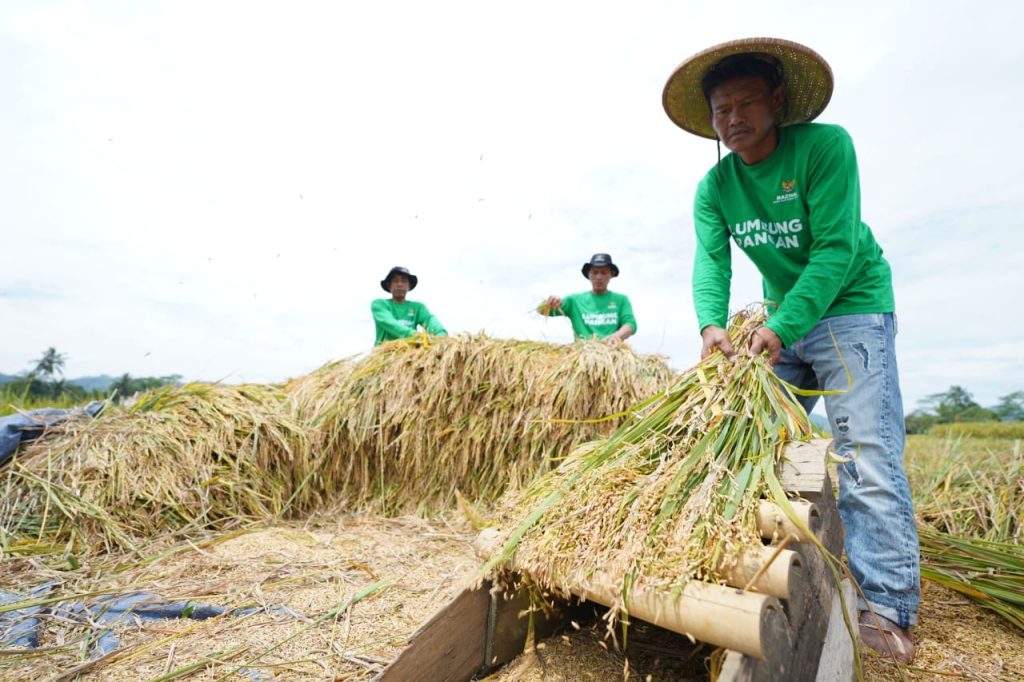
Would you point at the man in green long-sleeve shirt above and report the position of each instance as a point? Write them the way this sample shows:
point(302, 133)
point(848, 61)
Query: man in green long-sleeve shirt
point(789, 198)
point(596, 313)
point(397, 318)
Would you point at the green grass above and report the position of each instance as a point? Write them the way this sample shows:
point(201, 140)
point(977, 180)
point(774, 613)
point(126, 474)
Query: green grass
point(979, 430)
point(12, 401)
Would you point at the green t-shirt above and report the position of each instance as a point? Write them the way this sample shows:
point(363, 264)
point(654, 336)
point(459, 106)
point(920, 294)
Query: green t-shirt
point(597, 315)
point(400, 320)
point(796, 215)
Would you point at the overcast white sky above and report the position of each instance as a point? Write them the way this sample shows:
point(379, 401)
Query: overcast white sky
point(214, 189)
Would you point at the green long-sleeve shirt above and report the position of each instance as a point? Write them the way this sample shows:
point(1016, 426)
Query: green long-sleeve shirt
point(597, 315)
point(399, 320)
point(796, 215)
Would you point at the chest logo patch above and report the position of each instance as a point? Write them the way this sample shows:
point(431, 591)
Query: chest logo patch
point(788, 193)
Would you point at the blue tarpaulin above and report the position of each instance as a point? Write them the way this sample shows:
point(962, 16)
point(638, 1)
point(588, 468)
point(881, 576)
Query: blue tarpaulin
point(20, 627)
point(24, 426)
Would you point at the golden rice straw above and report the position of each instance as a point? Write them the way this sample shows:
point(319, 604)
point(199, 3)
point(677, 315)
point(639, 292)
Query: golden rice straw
point(404, 427)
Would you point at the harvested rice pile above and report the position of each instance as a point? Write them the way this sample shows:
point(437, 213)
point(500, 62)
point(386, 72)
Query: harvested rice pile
point(179, 459)
point(400, 429)
point(670, 494)
point(405, 426)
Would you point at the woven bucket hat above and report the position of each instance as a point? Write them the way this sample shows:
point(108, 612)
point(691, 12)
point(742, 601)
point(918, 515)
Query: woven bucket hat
point(806, 80)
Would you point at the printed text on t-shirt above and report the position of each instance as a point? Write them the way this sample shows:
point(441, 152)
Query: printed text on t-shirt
point(781, 235)
point(598, 319)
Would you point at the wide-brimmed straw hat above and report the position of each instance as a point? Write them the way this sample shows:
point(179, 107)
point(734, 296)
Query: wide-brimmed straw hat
point(385, 283)
point(806, 80)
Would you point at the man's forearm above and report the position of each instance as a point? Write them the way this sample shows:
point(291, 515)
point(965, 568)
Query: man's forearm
point(622, 333)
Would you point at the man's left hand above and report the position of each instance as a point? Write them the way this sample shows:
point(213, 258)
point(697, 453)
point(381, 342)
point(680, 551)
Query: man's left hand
point(766, 340)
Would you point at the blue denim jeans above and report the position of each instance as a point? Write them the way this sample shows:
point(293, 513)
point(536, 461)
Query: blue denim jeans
point(867, 424)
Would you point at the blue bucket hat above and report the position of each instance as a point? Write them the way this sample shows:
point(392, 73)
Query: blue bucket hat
point(600, 259)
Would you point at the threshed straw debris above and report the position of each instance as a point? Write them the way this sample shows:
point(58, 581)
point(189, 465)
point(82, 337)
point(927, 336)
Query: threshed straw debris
point(668, 496)
point(404, 427)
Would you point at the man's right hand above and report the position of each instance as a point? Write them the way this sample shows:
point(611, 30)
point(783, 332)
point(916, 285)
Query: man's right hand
point(553, 303)
point(715, 338)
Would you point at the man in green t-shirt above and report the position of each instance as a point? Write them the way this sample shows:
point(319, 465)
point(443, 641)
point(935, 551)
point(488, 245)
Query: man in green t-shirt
point(596, 313)
point(397, 318)
point(789, 198)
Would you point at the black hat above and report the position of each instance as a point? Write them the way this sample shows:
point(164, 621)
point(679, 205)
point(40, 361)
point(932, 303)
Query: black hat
point(385, 283)
point(600, 259)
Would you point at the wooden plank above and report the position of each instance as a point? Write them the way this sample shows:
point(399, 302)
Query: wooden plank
point(811, 610)
point(450, 646)
point(511, 620)
point(825, 522)
point(837, 651)
point(777, 665)
point(803, 470)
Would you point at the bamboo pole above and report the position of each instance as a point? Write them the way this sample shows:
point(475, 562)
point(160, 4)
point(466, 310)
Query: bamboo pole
point(774, 524)
point(722, 616)
point(776, 580)
point(744, 621)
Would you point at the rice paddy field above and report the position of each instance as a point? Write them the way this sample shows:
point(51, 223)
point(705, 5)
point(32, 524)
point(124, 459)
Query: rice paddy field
point(11, 400)
point(327, 518)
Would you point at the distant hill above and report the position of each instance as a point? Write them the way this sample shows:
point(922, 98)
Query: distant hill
point(100, 383)
point(7, 378)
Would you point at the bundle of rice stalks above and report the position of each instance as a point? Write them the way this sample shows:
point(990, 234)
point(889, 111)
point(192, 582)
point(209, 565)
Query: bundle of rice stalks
point(990, 573)
point(671, 493)
point(405, 426)
point(200, 456)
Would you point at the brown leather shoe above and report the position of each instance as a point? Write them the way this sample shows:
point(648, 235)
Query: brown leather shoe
point(885, 637)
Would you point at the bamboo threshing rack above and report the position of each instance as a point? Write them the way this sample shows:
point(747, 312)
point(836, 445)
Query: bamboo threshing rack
point(779, 615)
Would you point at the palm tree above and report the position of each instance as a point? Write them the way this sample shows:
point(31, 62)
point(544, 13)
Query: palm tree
point(50, 365)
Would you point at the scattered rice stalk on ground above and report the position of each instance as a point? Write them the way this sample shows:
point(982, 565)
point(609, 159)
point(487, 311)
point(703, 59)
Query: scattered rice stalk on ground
point(990, 573)
point(403, 427)
point(389, 574)
point(956, 639)
point(971, 532)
